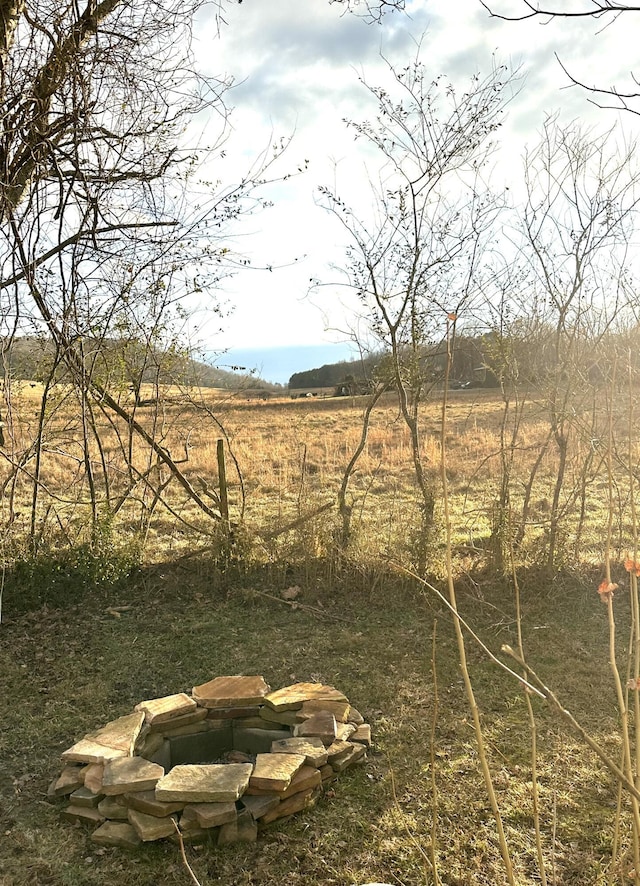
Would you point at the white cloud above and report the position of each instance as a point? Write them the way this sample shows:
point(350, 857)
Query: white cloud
point(296, 66)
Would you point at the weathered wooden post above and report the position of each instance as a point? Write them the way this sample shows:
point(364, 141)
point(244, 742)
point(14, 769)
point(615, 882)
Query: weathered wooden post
point(222, 482)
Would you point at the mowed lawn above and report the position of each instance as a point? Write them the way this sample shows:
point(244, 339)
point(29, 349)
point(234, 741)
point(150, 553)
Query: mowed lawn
point(66, 672)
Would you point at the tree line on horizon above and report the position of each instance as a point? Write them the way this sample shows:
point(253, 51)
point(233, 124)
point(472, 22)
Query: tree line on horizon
point(126, 364)
point(479, 361)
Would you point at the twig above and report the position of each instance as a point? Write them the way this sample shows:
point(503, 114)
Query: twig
point(533, 728)
point(554, 834)
point(432, 750)
point(467, 627)
point(295, 605)
point(194, 879)
point(412, 838)
point(460, 641)
point(568, 717)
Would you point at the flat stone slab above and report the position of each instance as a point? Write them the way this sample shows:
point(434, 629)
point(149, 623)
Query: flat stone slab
point(207, 783)
point(231, 692)
point(195, 834)
point(179, 722)
point(93, 774)
point(130, 774)
point(273, 772)
point(149, 828)
point(145, 801)
point(228, 833)
point(210, 815)
point(110, 808)
point(234, 713)
point(259, 805)
point(85, 797)
point(327, 774)
point(339, 709)
point(356, 753)
point(150, 745)
point(322, 725)
point(296, 803)
point(159, 710)
point(87, 751)
point(306, 778)
point(338, 749)
point(116, 833)
point(189, 825)
point(362, 735)
point(70, 779)
point(284, 718)
point(247, 828)
point(120, 734)
point(116, 739)
point(291, 698)
point(82, 815)
point(190, 729)
point(345, 730)
point(312, 749)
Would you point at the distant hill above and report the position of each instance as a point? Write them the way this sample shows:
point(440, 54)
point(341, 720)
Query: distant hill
point(470, 366)
point(334, 374)
point(125, 362)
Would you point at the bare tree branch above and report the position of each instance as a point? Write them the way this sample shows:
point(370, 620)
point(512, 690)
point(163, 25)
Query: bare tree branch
point(602, 8)
point(92, 234)
point(598, 9)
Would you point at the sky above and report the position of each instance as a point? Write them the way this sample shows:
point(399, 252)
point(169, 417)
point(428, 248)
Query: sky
point(296, 68)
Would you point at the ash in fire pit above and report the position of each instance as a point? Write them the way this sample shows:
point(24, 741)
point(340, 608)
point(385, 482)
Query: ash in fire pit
point(221, 763)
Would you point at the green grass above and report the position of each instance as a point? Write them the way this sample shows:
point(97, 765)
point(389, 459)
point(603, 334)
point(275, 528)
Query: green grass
point(67, 671)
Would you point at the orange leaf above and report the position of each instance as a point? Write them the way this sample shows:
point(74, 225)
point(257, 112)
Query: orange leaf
point(632, 566)
point(606, 589)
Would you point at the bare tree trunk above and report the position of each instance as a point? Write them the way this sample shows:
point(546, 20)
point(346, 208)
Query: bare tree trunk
point(344, 509)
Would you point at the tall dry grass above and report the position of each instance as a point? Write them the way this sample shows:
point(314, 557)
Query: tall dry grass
point(292, 455)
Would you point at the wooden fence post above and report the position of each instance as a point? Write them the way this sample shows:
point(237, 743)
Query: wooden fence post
point(222, 480)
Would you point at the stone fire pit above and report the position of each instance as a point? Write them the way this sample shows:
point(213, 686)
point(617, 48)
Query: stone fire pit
point(220, 763)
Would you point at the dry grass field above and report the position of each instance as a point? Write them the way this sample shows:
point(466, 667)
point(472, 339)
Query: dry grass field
point(68, 665)
point(292, 455)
